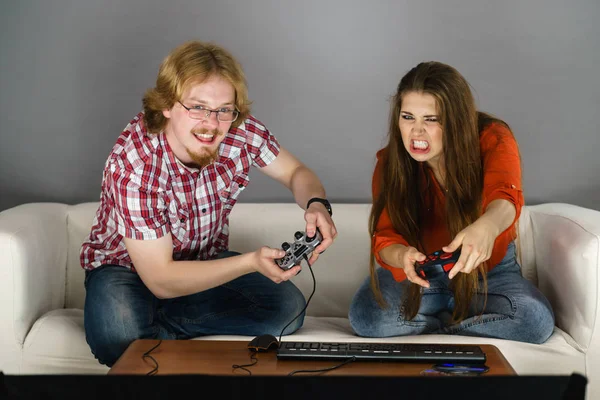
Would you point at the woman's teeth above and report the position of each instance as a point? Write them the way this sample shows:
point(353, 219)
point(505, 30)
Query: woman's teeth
point(420, 144)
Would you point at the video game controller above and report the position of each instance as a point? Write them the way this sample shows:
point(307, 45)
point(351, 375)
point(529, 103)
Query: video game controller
point(294, 253)
point(436, 264)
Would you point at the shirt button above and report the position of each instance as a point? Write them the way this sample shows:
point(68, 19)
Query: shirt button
point(240, 185)
point(204, 238)
point(182, 220)
point(204, 210)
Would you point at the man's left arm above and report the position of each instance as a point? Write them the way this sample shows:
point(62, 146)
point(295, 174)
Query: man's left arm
point(304, 185)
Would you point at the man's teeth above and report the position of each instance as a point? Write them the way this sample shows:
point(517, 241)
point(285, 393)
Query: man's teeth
point(420, 144)
point(204, 136)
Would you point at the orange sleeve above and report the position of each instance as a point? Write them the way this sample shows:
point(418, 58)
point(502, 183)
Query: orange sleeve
point(501, 168)
point(385, 234)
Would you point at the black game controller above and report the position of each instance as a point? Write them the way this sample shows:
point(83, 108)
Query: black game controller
point(294, 253)
point(437, 264)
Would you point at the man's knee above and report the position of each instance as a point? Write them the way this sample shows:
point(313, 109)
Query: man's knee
point(292, 304)
point(114, 313)
point(110, 342)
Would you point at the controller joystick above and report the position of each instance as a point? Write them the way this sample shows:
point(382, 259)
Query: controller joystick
point(437, 264)
point(295, 252)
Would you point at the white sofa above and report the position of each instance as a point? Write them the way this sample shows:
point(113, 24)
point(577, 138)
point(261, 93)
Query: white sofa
point(42, 293)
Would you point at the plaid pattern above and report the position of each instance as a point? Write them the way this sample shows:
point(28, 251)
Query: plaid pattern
point(147, 193)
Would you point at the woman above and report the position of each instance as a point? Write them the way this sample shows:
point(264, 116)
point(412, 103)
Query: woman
point(449, 179)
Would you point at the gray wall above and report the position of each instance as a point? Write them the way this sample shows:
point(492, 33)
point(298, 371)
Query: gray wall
point(320, 73)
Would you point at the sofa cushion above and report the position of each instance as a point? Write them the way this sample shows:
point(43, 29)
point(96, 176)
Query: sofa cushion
point(56, 345)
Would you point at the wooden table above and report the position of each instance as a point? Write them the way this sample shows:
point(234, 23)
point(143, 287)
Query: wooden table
point(209, 357)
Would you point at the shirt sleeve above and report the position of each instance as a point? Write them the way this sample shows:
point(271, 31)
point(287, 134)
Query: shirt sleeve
point(385, 235)
point(140, 207)
point(501, 168)
point(262, 145)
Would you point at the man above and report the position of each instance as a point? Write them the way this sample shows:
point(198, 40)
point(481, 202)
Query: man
point(157, 261)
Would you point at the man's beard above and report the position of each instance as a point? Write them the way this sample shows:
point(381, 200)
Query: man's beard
point(206, 157)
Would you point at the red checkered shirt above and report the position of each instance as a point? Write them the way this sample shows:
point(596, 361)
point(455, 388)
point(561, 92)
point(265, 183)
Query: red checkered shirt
point(147, 193)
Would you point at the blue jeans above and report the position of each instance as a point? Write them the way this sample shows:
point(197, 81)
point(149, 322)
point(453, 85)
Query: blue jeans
point(515, 310)
point(119, 309)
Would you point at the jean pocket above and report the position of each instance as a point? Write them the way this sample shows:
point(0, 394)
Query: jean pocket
point(412, 322)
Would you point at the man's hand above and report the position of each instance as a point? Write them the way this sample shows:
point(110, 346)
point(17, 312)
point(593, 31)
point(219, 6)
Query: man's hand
point(264, 263)
point(316, 216)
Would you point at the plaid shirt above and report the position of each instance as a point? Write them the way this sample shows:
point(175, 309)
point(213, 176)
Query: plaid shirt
point(147, 193)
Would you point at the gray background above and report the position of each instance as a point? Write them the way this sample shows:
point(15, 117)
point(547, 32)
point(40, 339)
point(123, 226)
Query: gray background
point(320, 74)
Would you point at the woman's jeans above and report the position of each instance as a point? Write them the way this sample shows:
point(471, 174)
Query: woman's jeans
point(119, 309)
point(515, 309)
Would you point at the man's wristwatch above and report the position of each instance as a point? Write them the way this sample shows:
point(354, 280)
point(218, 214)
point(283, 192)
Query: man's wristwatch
point(322, 201)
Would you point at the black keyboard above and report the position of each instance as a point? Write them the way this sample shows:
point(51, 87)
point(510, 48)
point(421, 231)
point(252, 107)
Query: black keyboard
point(404, 352)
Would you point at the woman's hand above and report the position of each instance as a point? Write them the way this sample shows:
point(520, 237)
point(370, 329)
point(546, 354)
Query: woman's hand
point(477, 241)
point(410, 257)
point(404, 257)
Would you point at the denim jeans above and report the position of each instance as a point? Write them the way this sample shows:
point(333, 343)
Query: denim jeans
point(515, 309)
point(119, 309)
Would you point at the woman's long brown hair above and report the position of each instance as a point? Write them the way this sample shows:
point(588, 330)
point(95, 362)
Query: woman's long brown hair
point(401, 190)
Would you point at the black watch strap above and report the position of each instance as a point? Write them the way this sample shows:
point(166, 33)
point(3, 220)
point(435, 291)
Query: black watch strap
point(322, 201)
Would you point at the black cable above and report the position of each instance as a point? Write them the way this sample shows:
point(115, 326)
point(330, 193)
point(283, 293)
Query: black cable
point(307, 301)
point(348, 361)
point(351, 359)
point(147, 355)
point(252, 358)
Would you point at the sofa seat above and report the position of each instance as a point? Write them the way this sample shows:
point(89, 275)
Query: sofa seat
point(69, 351)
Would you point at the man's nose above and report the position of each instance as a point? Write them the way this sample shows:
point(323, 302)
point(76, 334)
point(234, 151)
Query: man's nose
point(211, 121)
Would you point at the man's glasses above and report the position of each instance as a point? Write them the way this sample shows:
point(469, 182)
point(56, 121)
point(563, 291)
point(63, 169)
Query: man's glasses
point(203, 113)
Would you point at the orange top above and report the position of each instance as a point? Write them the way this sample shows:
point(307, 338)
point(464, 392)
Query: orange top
point(501, 180)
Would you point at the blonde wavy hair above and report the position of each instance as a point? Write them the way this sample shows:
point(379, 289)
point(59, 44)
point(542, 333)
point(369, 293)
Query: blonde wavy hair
point(188, 64)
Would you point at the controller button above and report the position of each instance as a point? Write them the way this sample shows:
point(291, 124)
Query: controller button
point(298, 235)
point(310, 239)
point(285, 246)
point(446, 256)
point(448, 267)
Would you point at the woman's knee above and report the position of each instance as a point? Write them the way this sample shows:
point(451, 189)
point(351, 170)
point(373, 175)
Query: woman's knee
point(532, 320)
point(365, 314)
point(537, 321)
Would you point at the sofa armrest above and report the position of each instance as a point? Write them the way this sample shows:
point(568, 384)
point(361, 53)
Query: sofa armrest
point(33, 252)
point(566, 240)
